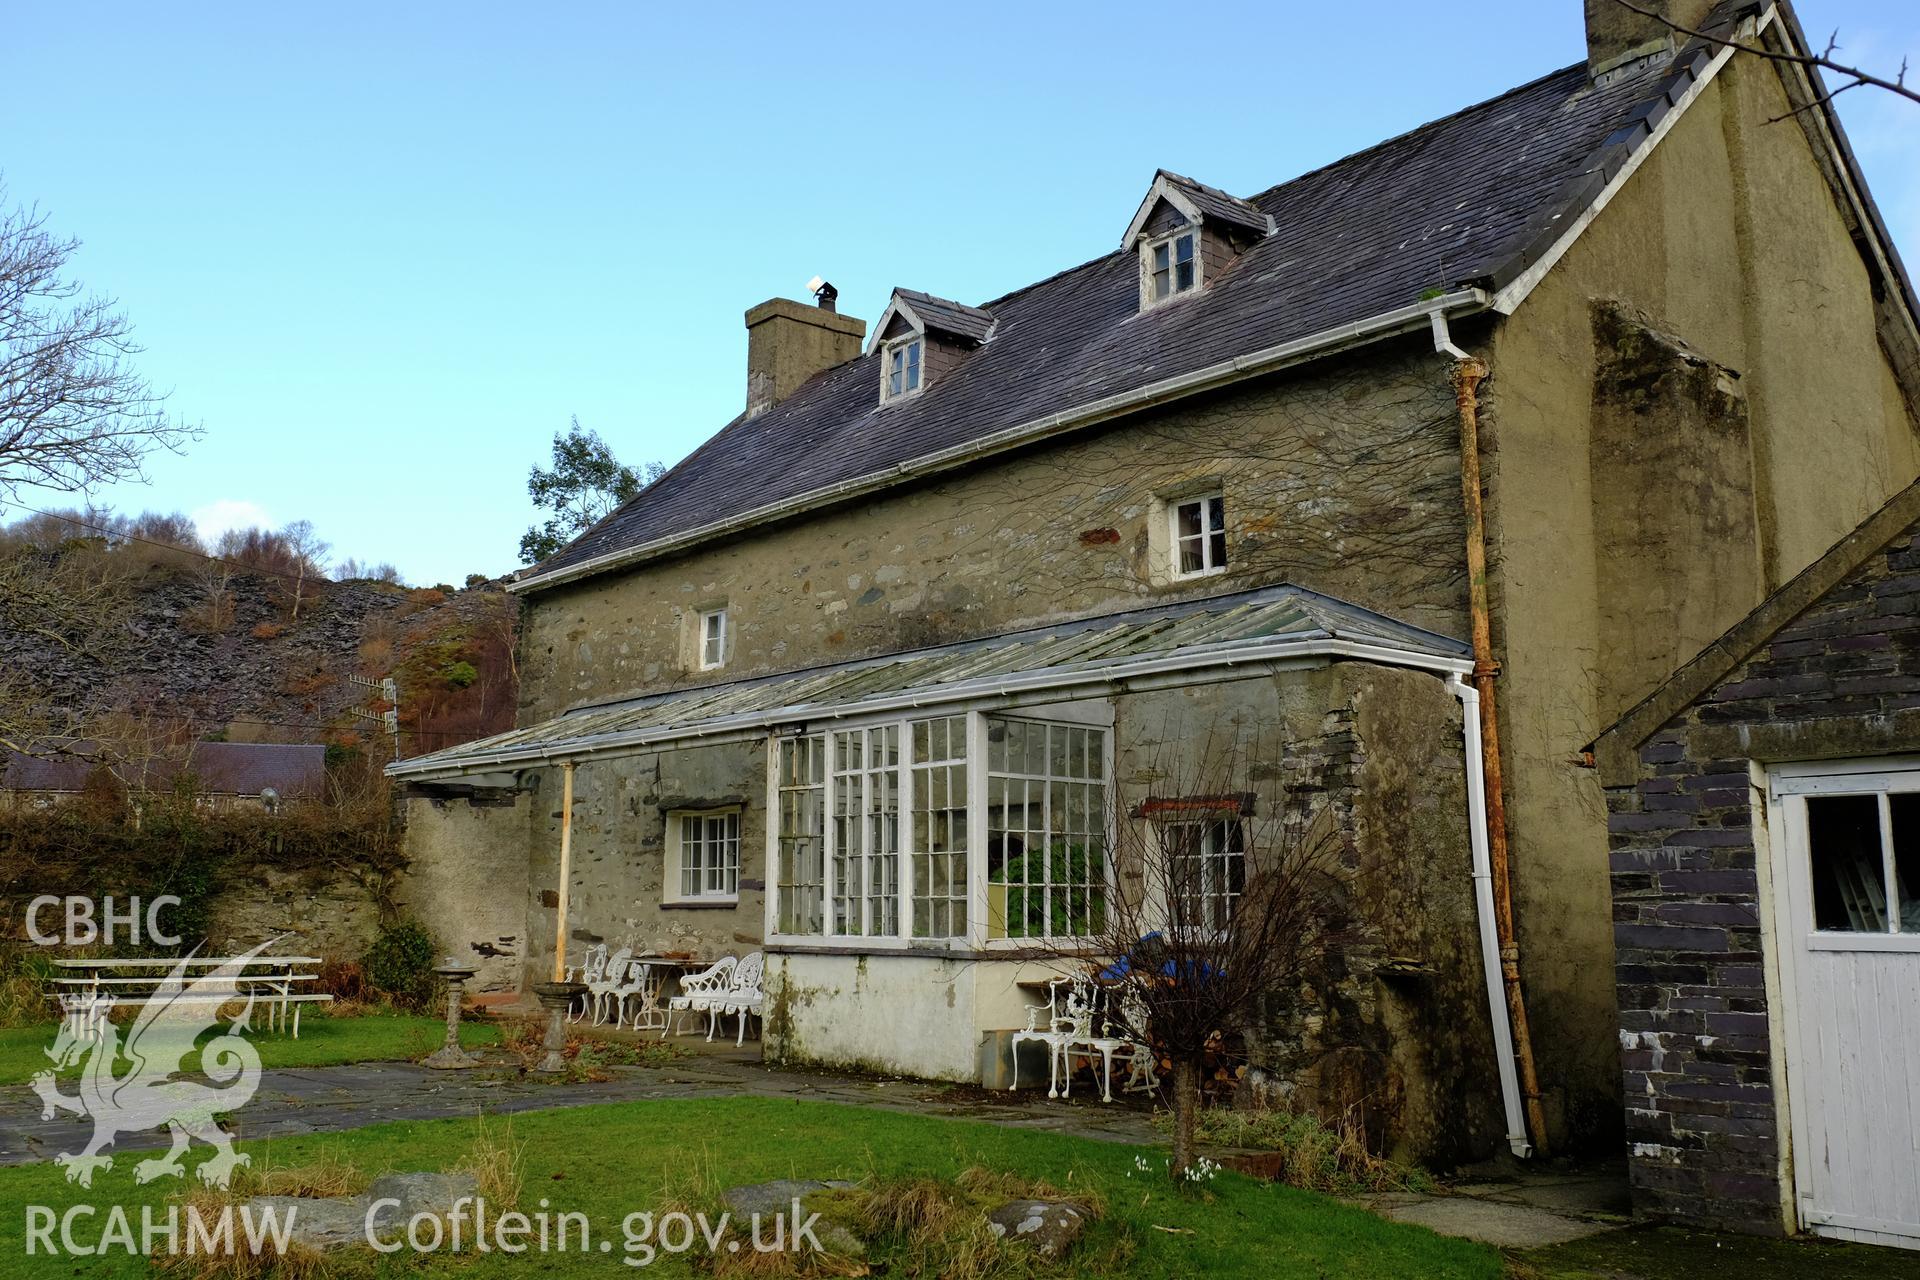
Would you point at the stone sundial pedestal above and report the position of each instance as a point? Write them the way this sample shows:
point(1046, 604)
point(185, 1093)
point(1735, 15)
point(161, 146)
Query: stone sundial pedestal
point(450, 1056)
point(555, 998)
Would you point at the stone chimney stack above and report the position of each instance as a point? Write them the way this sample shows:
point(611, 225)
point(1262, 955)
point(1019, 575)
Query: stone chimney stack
point(1617, 35)
point(788, 342)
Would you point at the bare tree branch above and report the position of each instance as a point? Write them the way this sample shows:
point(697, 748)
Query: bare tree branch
point(1228, 894)
point(73, 412)
point(1855, 77)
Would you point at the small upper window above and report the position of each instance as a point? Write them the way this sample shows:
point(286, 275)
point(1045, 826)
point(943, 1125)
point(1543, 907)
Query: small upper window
point(903, 368)
point(1207, 872)
point(713, 639)
point(1173, 265)
point(1199, 535)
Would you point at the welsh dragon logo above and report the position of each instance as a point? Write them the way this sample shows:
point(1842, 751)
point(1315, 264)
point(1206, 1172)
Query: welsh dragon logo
point(145, 1095)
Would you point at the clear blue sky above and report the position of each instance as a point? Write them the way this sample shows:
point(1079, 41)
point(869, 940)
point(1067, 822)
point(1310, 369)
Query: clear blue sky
point(382, 252)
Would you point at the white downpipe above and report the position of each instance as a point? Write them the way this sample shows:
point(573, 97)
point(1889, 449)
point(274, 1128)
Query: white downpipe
point(1267, 360)
point(1483, 902)
point(1443, 338)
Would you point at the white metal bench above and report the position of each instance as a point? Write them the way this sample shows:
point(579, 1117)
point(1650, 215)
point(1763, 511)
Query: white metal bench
point(698, 991)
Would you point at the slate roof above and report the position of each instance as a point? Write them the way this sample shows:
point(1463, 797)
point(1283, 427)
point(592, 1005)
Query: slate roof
point(1474, 197)
point(219, 768)
point(943, 315)
point(1217, 204)
point(1194, 636)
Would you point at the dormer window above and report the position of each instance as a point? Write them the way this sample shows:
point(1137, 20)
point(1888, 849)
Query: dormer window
point(1188, 235)
point(1173, 265)
point(903, 367)
point(923, 340)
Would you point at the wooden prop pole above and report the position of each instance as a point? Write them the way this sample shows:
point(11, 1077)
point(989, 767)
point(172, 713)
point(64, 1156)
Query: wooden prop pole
point(566, 874)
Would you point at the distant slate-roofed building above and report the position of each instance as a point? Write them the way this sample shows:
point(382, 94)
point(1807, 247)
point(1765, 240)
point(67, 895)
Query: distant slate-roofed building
point(939, 595)
point(222, 774)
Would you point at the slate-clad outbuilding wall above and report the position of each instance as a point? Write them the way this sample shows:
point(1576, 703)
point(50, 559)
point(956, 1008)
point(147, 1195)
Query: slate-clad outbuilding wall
point(1699, 1031)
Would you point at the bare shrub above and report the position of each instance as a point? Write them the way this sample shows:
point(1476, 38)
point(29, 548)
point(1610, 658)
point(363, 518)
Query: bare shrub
point(1229, 892)
point(351, 570)
point(346, 981)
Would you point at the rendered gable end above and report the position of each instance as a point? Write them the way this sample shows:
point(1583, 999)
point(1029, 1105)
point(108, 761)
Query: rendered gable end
point(1776, 392)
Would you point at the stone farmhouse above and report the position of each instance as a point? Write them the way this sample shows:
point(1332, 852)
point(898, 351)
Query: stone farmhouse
point(1398, 481)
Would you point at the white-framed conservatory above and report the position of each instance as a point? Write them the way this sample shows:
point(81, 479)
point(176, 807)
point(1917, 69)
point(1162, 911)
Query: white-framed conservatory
point(963, 829)
point(919, 831)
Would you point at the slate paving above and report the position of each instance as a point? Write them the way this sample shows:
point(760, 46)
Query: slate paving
point(1529, 1210)
point(328, 1099)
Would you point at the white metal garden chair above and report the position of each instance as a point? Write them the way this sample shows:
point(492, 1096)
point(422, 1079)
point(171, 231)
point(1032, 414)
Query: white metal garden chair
point(1113, 1037)
point(601, 993)
point(697, 991)
point(742, 998)
point(592, 966)
point(1143, 1064)
point(1078, 1020)
point(591, 969)
point(1058, 1027)
point(643, 988)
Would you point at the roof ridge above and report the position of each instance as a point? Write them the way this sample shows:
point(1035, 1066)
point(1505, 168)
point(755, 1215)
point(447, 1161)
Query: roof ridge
point(1208, 188)
point(1258, 195)
point(1070, 335)
point(1435, 123)
point(1058, 275)
point(934, 297)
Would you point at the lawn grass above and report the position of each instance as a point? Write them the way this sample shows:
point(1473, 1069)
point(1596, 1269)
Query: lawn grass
point(1670, 1253)
point(324, 1041)
point(609, 1161)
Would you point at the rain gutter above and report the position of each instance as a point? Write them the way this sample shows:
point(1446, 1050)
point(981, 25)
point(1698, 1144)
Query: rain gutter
point(1181, 667)
point(1419, 315)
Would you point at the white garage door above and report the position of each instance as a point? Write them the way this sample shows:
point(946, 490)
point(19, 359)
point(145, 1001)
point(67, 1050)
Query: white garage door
point(1848, 918)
